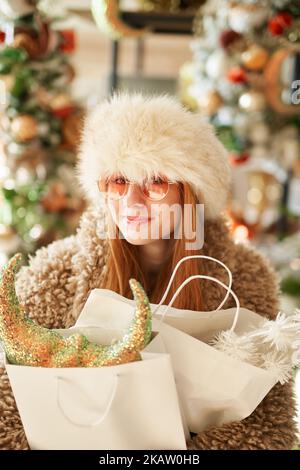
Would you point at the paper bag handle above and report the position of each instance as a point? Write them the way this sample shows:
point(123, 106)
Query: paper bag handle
point(210, 278)
point(98, 420)
point(201, 257)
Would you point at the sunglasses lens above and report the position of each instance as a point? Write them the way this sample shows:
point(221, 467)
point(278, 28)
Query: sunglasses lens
point(156, 189)
point(113, 187)
point(116, 187)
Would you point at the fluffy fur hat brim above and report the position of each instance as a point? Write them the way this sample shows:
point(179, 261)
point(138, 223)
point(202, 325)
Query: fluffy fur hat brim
point(141, 136)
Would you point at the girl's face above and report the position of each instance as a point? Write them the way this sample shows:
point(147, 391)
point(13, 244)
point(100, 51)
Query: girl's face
point(141, 220)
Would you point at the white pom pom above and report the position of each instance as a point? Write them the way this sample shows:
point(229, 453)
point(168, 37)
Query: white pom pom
point(278, 364)
point(281, 332)
point(238, 347)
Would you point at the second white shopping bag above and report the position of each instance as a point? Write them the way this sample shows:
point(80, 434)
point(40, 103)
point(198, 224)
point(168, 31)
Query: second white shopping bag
point(213, 387)
point(127, 407)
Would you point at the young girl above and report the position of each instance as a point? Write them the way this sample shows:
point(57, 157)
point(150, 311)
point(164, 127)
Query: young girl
point(148, 167)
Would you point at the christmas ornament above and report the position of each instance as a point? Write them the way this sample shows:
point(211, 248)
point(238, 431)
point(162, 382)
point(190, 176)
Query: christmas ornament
point(243, 17)
point(27, 343)
point(252, 101)
point(229, 38)
point(278, 23)
point(61, 105)
point(273, 346)
point(239, 158)
point(259, 133)
point(71, 128)
point(218, 63)
point(256, 192)
point(237, 75)
point(107, 17)
point(255, 57)
point(68, 44)
point(24, 128)
point(209, 103)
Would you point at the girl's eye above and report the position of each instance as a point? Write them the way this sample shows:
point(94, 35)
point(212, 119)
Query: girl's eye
point(119, 180)
point(157, 181)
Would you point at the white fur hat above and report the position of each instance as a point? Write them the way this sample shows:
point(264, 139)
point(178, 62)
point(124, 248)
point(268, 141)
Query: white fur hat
point(141, 136)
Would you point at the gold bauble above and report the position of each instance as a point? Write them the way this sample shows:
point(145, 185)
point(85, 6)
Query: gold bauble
point(209, 103)
point(252, 101)
point(71, 128)
point(255, 57)
point(62, 100)
point(24, 128)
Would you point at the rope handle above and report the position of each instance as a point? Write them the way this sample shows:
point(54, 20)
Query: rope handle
point(98, 420)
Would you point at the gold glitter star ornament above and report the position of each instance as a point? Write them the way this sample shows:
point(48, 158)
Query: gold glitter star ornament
point(29, 344)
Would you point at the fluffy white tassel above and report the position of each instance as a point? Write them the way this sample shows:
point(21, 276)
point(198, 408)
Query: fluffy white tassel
point(281, 332)
point(238, 347)
point(279, 364)
point(274, 346)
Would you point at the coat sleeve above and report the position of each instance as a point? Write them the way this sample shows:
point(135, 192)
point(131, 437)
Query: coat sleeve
point(272, 425)
point(46, 288)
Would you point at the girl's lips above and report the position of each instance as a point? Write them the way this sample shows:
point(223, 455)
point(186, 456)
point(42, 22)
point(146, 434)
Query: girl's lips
point(137, 219)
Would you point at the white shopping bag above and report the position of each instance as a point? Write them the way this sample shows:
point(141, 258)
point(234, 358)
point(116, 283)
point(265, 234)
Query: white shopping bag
point(128, 406)
point(213, 387)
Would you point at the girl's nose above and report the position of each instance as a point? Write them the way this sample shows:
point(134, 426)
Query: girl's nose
point(134, 194)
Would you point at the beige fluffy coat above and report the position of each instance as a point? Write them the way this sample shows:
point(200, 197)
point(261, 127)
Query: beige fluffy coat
point(57, 281)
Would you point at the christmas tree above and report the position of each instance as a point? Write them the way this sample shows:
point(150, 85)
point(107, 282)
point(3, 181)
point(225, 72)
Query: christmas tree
point(39, 129)
point(244, 78)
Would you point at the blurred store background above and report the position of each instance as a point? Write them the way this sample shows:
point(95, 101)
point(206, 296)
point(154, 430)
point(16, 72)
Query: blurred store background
point(238, 63)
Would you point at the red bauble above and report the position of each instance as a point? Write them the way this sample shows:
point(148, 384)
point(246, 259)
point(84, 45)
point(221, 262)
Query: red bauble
point(2, 36)
point(278, 23)
point(237, 75)
point(68, 45)
point(285, 19)
point(239, 158)
point(63, 112)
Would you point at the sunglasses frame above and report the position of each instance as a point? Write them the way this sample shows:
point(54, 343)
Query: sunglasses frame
point(140, 188)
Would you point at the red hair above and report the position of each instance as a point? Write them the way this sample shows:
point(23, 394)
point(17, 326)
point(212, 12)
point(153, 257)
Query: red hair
point(124, 263)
